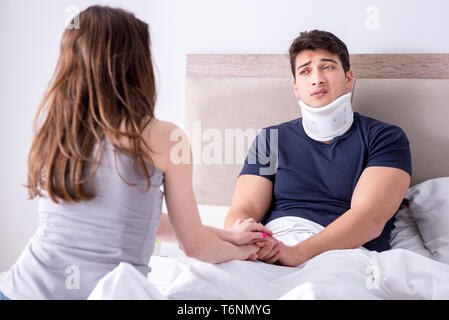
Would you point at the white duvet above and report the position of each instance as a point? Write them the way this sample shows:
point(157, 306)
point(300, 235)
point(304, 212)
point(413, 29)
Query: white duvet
point(338, 274)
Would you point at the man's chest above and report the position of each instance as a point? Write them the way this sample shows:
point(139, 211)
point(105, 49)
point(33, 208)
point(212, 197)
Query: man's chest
point(331, 171)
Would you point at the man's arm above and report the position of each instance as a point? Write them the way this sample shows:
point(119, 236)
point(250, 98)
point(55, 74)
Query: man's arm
point(376, 198)
point(252, 199)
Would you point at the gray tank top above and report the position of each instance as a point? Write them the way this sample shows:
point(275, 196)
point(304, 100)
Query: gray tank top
point(76, 244)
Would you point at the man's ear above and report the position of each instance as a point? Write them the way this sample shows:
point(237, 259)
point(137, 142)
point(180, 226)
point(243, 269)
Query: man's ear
point(295, 89)
point(349, 80)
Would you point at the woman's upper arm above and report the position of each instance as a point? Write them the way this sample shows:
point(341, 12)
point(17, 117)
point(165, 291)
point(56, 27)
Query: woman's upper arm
point(175, 160)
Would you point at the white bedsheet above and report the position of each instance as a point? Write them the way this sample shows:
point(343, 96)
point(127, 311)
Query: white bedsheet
point(338, 274)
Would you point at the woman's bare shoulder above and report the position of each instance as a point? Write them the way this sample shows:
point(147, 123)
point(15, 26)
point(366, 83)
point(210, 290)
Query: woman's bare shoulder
point(162, 133)
point(162, 136)
point(162, 125)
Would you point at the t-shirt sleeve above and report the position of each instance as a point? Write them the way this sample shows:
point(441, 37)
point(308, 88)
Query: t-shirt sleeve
point(261, 159)
point(389, 147)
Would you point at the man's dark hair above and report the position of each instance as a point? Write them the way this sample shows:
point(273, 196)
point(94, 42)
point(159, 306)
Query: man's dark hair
point(317, 39)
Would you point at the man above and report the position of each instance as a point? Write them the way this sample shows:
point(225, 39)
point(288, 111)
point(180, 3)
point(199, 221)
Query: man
point(344, 171)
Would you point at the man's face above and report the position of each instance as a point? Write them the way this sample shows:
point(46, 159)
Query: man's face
point(320, 78)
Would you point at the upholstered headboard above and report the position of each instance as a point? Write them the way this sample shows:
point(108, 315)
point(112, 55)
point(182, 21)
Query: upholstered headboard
point(230, 97)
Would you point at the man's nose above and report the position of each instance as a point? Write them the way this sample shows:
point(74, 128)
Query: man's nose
point(317, 78)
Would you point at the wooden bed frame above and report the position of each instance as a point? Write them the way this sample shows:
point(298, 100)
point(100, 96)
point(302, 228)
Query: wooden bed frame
point(364, 66)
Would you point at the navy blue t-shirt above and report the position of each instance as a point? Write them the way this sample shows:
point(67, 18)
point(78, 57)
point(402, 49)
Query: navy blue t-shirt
point(315, 180)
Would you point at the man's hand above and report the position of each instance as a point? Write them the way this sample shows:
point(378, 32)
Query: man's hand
point(248, 252)
point(291, 256)
point(270, 251)
point(276, 251)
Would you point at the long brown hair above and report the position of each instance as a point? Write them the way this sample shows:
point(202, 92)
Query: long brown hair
point(103, 83)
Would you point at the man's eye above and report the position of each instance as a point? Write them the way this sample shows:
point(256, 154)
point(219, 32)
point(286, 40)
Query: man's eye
point(328, 67)
point(303, 72)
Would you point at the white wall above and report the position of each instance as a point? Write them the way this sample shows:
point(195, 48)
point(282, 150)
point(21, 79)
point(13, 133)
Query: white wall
point(30, 32)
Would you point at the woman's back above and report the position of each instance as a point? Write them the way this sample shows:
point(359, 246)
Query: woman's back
point(103, 89)
point(78, 243)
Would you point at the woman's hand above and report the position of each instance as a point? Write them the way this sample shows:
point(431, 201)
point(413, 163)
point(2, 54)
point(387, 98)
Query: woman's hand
point(248, 252)
point(248, 232)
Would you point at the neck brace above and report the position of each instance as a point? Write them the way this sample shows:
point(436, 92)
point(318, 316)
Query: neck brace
point(326, 123)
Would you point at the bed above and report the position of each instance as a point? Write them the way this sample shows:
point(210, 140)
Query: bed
point(228, 99)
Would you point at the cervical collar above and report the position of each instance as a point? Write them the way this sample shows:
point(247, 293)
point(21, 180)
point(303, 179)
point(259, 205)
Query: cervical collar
point(326, 123)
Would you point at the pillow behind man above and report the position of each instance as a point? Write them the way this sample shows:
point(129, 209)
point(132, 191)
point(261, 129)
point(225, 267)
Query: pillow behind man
point(429, 206)
point(406, 235)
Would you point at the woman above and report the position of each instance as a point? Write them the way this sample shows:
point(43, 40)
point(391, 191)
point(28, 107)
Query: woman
point(97, 162)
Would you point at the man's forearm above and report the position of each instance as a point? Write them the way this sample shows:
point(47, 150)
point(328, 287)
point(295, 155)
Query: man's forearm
point(233, 216)
point(351, 230)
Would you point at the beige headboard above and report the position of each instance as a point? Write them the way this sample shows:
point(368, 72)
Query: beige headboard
point(235, 95)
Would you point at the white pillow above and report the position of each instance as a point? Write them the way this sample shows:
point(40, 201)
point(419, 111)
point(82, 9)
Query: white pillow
point(429, 206)
point(405, 234)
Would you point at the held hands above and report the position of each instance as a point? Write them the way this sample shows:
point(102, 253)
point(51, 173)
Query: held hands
point(250, 236)
point(256, 242)
point(271, 250)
